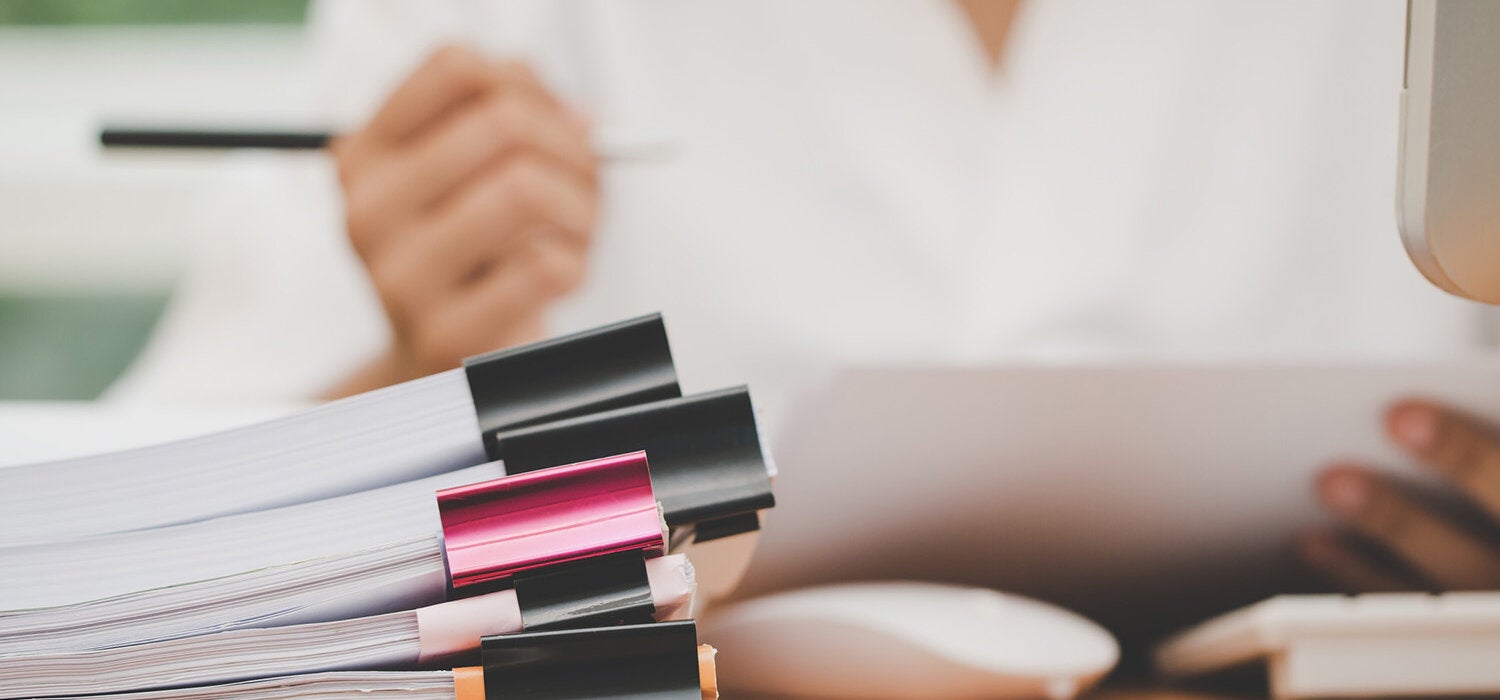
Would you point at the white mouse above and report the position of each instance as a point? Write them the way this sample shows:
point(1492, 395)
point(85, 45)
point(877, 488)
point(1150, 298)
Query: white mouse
point(906, 640)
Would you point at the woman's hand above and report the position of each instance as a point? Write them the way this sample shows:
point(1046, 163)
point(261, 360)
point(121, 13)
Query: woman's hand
point(1431, 551)
point(471, 197)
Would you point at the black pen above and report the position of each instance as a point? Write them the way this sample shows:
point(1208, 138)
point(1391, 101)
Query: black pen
point(125, 137)
point(611, 146)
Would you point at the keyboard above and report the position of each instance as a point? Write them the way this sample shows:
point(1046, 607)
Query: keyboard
point(1335, 646)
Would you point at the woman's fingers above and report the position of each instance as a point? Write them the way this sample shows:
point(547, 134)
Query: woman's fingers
point(471, 198)
point(390, 187)
point(513, 295)
point(1348, 569)
point(502, 125)
point(1437, 549)
point(449, 76)
point(490, 220)
point(1456, 446)
point(483, 232)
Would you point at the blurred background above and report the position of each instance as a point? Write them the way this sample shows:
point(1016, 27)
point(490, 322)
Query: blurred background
point(77, 303)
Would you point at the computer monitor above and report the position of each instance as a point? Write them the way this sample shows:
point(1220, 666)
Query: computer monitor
point(1448, 187)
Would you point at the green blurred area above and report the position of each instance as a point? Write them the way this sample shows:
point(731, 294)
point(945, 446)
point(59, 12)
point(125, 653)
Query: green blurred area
point(68, 347)
point(126, 12)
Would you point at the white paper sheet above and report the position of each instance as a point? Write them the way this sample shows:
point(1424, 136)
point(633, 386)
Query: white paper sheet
point(354, 685)
point(1143, 495)
point(43, 431)
point(76, 571)
point(399, 433)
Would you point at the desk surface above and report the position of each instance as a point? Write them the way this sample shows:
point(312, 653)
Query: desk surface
point(1149, 694)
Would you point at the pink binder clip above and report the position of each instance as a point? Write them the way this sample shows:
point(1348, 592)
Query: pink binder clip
point(523, 522)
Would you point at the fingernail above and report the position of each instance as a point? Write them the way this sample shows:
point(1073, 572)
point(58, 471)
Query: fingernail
point(1346, 493)
point(1416, 428)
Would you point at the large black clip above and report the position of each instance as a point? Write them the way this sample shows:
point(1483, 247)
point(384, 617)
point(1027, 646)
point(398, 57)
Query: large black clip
point(621, 364)
point(708, 463)
point(610, 590)
point(657, 661)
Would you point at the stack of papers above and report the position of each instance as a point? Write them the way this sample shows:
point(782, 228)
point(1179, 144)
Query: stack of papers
point(408, 685)
point(546, 499)
point(103, 566)
point(393, 640)
point(396, 434)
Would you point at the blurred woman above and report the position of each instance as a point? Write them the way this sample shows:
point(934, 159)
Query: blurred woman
point(835, 182)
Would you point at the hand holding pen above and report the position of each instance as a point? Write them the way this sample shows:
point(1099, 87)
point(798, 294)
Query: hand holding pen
point(471, 197)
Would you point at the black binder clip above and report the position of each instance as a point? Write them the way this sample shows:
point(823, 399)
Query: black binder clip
point(657, 661)
point(622, 364)
point(708, 464)
point(610, 590)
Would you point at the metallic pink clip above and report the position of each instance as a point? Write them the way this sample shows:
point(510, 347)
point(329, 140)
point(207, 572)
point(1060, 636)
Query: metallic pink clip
point(496, 529)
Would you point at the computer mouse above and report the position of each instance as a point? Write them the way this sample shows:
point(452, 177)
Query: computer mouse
point(906, 640)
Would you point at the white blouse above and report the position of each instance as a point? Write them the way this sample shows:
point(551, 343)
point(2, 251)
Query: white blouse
point(853, 184)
